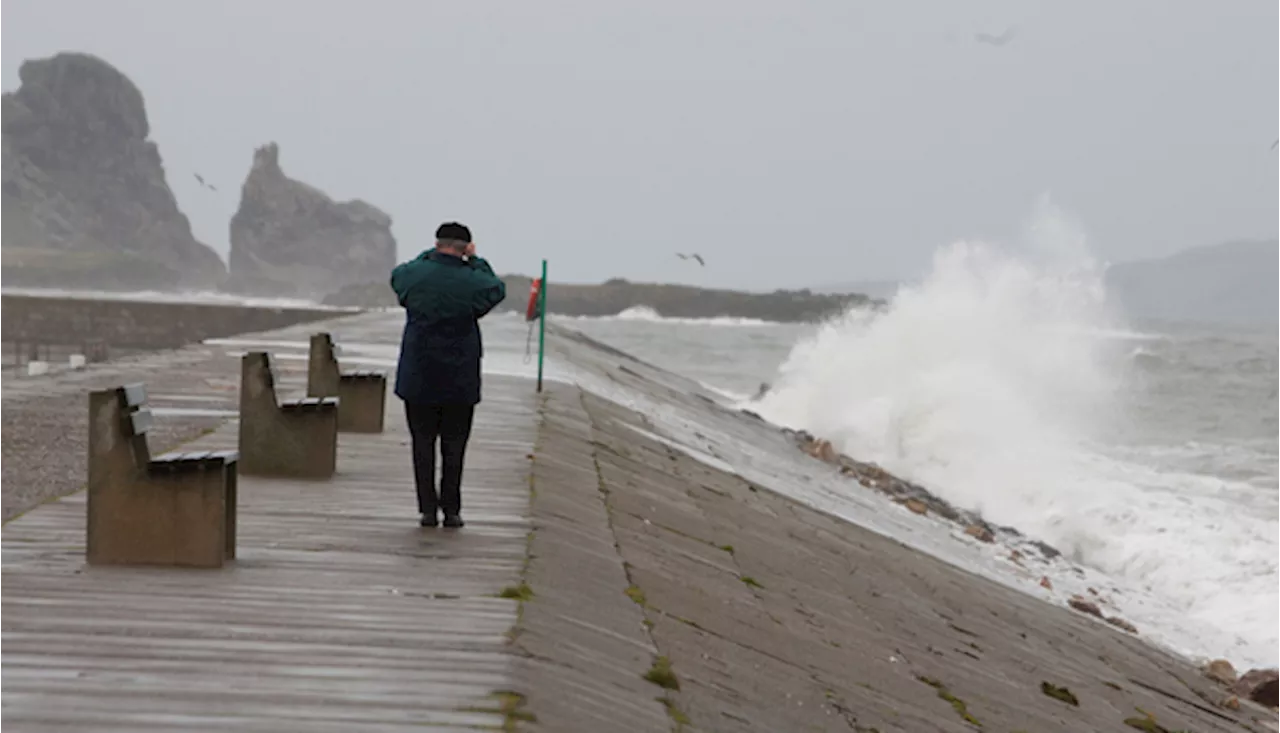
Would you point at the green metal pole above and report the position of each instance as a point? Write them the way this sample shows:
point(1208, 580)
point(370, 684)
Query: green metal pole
point(542, 322)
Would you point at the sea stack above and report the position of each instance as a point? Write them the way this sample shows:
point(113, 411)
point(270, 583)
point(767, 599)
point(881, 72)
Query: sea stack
point(290, 238)
point(86, 202)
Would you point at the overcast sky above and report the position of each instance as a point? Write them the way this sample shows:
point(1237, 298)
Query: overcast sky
point(791, 143)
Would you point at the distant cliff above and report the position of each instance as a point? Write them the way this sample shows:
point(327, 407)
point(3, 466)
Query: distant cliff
point(1229, 284)
point(288, 238)
point(86, 203)
point(615, 296)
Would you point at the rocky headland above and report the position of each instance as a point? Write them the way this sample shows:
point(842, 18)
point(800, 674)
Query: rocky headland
point(86, 202)
point(617, 295)
point(87, 207)
point(1226, 284)
point(290, 238)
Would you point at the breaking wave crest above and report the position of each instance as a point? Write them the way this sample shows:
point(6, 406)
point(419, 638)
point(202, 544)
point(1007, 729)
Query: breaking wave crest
point(994, 383)
point(644, 313)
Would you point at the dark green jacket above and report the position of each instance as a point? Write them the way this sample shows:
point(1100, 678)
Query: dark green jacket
point(444, 298)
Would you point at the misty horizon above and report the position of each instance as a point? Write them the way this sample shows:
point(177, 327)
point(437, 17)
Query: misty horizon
point(789, 148)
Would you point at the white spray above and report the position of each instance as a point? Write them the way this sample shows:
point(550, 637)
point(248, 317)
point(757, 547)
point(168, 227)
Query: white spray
point(991, 383)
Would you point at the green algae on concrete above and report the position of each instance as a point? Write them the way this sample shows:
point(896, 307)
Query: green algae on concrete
point(635, 594)
point(676, 714)
point(521, 592)
point(1145, 724)
point(956, 703)
point(662, 675)
point(1059, 693)
point(510, 705)
point(1148, 724)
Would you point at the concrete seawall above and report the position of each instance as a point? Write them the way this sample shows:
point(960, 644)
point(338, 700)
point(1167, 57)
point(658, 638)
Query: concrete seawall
point(776, 617)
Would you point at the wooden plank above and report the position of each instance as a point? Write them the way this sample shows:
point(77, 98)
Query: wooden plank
point(339, 613)
point(180, 456)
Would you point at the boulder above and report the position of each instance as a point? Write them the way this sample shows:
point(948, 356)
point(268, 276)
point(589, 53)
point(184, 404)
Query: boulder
point(980, 533)
point(1081, 604)
point(289, 238)
point(1220, 671)
point(1120, 623)
point(1259, 685)
point(86, 202)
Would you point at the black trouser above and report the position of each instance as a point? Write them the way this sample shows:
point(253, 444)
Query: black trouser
point(452, 425)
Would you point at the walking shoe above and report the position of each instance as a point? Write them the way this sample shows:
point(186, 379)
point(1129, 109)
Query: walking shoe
point(453, 520)
point(428, 520)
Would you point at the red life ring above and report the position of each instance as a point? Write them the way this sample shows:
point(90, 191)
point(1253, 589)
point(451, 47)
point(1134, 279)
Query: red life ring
point(531, 312)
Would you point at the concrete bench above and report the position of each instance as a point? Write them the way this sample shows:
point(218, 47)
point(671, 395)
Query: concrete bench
point(362, 395)
point(176, 509)
point(296, 439)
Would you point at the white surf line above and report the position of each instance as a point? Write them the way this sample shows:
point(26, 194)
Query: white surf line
point(694, 453)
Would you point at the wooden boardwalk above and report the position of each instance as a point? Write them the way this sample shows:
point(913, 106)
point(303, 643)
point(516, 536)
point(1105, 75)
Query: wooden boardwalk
point(340, 613)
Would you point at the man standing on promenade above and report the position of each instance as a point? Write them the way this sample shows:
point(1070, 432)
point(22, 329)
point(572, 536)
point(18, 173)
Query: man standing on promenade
point(445, 291)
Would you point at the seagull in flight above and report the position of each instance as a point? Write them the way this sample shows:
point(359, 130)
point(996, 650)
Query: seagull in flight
point(201, 181)
point(694, 256)
point(997, 41)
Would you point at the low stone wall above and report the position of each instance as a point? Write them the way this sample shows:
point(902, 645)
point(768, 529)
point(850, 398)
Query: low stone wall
point(138, 324)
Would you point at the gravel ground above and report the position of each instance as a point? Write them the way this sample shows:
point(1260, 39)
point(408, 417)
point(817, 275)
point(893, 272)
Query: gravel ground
point(44, 422)
point(46, 442)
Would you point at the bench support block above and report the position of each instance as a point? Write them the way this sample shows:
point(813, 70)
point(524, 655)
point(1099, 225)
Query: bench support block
point(362, 396)
point(142, 516)
point(289, 440)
